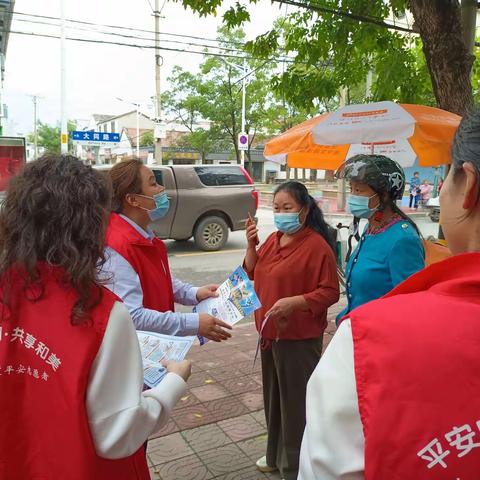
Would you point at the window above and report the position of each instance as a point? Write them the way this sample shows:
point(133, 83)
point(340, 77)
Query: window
point(216, 176)
point(158, 176)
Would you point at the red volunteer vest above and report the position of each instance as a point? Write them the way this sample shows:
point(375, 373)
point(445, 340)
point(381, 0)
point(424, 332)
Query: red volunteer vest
point(148, 258)
point(45, 364)
point(417, 367)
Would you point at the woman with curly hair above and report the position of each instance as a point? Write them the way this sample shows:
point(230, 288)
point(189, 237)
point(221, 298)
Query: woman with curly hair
point(71, 402)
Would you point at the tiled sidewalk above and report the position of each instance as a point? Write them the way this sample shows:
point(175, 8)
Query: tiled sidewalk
point(217, 430)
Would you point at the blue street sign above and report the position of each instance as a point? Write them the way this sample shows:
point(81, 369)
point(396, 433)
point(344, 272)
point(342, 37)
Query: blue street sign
point(95, 138)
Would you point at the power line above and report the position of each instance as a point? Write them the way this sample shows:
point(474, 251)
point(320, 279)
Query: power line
point(39, 22)
point(119, 27)
point(150, 5)
point(379, 22)
point(106, 42)
point(318, 8)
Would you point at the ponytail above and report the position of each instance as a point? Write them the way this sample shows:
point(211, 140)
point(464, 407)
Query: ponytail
point(316, 221)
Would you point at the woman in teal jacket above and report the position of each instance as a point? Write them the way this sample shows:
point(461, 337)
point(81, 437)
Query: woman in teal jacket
point(390, 248)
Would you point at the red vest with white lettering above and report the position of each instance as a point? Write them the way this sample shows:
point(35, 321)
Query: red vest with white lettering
point(417, 368)
point(45, 364)
point(148, 258)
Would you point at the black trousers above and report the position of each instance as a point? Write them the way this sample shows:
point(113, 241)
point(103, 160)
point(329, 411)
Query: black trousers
point(286, 369)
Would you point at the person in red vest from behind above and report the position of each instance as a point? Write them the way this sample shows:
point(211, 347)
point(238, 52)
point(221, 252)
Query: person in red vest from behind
point(396, 396)
point(71, 401)
point(137, 263)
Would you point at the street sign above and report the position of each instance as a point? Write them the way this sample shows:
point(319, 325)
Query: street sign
point(98, 139)
point(243, 141)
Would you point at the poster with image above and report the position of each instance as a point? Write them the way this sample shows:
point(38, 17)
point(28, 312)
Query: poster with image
point(236, 300)
point(155, 348)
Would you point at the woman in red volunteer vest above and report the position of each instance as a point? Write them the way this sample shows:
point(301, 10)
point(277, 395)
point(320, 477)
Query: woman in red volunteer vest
point(296, 280)
point(395, 397)
point(71, 401)
point(137, 264)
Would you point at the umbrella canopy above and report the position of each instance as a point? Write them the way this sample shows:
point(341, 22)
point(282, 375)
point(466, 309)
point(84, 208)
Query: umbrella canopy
point(402, 132)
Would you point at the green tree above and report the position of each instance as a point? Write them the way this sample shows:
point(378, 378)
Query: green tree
point(204, 141)
point(147, 140)
point(336, 43)
point(48, 136)
point(216, 95)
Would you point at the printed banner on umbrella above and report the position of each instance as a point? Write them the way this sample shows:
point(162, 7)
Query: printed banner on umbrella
point(373, 122)
point(399, 150)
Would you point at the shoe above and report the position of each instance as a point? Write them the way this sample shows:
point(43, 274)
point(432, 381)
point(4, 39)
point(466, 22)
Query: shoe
point(263, 467)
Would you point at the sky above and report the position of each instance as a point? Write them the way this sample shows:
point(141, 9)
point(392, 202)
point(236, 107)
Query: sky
point(99, 74)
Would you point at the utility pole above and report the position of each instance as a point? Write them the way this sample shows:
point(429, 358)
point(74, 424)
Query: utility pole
point(469, 10)
point(244, 91)
point(63, 89)
point(35, 98)
point(158, 101)
point(341, 184)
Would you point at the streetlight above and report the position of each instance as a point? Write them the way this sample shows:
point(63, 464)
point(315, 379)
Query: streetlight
point(244, 88)
point(137, 108)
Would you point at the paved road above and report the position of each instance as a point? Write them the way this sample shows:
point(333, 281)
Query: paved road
point(199, 268)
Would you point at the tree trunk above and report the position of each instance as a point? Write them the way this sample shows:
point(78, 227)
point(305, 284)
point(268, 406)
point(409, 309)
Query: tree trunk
point(448, 59)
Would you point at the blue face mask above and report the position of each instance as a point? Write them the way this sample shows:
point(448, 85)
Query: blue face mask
point(287, 222)
point(358, 206)
point(162, 205)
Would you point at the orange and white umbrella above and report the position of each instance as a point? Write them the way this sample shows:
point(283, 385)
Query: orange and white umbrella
point(402, 132)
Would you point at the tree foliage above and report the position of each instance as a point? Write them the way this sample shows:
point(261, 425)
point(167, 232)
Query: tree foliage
point(334, 44)
point(215, 94)
point(147, 140)
point(48, 136)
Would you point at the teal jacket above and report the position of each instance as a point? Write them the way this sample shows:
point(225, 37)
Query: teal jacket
point(382, 261)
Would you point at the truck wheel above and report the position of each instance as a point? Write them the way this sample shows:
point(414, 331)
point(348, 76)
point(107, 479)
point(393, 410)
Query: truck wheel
point(211, 233)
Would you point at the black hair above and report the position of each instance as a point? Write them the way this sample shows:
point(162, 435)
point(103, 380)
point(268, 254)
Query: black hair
point(466, 143)
point(416, 173)
point(55, 211)
point(315, 219)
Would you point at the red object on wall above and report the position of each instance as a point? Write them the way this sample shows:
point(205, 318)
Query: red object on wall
point(12, 159)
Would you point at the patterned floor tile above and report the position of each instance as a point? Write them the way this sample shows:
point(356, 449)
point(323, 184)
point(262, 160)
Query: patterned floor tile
point(225, 408)
point(240, 385)
point(247, 367)
point(235, 357)
point(166, 449)
point(206, 437)
point(255, 447)
point(225, 372)
point(188, 400)
point(187, 468)
point(201, 378)
point(192, 417)
point(249, 473)
point(259, 416)
point(241, 428)
point(170, 427)
point(211, 364)
point(209, 392)
point(154, 475)
point(252, 400)
point(225, 459)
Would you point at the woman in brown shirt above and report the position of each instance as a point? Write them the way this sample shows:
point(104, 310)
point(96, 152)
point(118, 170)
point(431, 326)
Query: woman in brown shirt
point(296, 280)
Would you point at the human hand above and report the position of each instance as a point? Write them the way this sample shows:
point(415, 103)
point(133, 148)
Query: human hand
point(183, 368)
point(211, 328)
point(207, 291)
point(281, 310)
point(251, 232)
